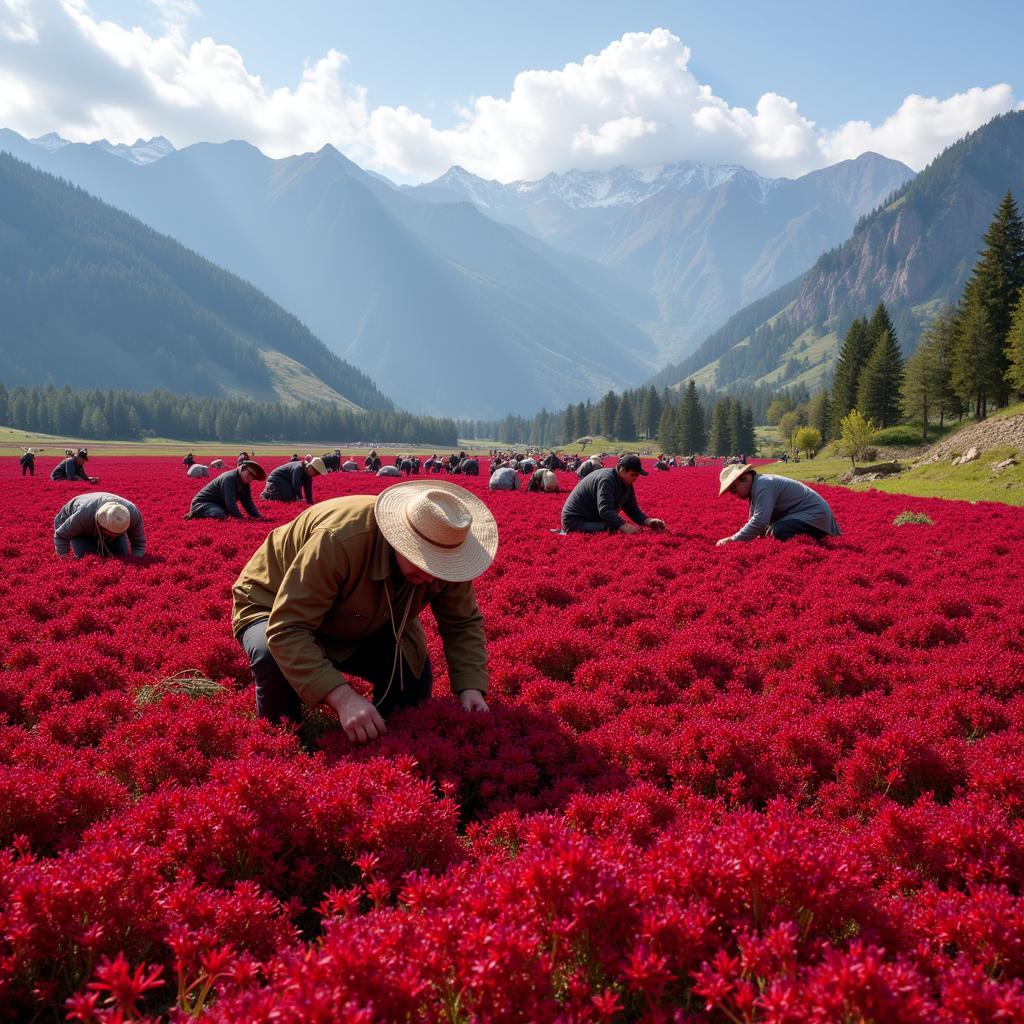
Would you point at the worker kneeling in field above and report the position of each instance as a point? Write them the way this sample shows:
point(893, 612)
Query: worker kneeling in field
point(338, 592)
point(779, 507)
point(594, 504)
point(99, 523)
point(220, 498)
point(293, 480)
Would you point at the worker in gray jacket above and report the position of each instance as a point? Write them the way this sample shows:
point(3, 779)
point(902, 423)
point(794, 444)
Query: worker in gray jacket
point(73, 468)
point(779, 507)
point(221, 497)
point(293, 480)
point(503, 479)
point(99, 523)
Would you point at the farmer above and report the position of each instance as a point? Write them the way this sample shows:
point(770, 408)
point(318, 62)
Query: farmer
point(188, 460)
point(543, 480)
point(73, 468)
point(28, 462)
point(293, 480)
point(594, 504)
point(503, 479)
point(779, 507)
point(338, 591)
point(221, 497)
point(99, 523)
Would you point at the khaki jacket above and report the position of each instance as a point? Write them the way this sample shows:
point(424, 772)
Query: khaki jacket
point(323, 582)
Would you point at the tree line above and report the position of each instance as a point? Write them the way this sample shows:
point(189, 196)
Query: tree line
point(680, 422)
point(125, 415)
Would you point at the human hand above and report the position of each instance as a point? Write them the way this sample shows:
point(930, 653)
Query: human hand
point(655, 524)
point(724, 540)
point(473, 700)
point(358, 717)
point(629, 528)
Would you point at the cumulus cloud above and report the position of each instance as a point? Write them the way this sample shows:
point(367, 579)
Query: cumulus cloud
point(636, 102)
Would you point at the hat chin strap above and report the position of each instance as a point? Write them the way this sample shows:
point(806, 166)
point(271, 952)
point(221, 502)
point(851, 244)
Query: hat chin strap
point(430, 540)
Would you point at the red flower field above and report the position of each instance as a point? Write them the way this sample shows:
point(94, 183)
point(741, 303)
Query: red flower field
point(765, 782)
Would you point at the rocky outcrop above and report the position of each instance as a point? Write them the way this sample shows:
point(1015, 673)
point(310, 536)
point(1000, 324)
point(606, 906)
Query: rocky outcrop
point(1006, 432)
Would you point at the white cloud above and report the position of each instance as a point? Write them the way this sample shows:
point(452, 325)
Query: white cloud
point(636, 102)
point(921, 127)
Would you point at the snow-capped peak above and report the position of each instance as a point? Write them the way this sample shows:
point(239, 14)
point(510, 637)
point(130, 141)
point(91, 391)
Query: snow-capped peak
point(142, 151)
point(51, 141)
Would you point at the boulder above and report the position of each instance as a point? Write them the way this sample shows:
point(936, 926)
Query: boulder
point(968, 456)
point(1005, 464)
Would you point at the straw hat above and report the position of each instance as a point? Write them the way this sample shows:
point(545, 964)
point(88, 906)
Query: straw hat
point(113, 517)
point(440, 527)
point(255, 468)
point(549, 481)
point(729, 476)
point(318, 464)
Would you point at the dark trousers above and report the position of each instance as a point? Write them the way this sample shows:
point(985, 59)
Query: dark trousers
point(31, 470)
point(596, 527)
point(785, 529)
point(207, 510)
point(372, 661)
point(84, 545)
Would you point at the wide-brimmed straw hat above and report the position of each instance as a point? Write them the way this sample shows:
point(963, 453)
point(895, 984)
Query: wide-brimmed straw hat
point(318, 464)
point(113, 517)
point(439, 527)
point(729, 476)
point(255, 468)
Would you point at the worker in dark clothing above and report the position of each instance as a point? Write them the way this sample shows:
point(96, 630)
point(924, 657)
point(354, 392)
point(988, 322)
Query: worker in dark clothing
point(189, 460)
point(28, 462)
point(99, 523)
point(293, 480)
point(595, 502)
point(73, 468)
point(221, 497)
point(331, 461)
point(242, 457)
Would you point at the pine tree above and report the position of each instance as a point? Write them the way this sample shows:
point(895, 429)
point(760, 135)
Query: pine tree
point(721, 442)
point(650, 412)
point(1015, 349)
point(666, 429)
point(973, 366)
point(569, 431)
point(693, 438)
point(819, 414)
point(747, 441)
point(996, 283)
point(878, 394)
point(625, 426)
point(852, 356)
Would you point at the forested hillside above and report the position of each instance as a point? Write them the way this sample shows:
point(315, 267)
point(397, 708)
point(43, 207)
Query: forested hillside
point(92, 297)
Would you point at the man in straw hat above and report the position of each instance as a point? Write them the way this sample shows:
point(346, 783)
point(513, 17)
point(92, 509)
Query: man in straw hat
point(99, 523)
point(779, 507)
point(594, 504)
point(294, 480)
point(338, 592)
point(221, 497)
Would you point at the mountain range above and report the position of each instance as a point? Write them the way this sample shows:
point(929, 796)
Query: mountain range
point(448, 310)
point(914, 254)
point(472, 297)
point(93, 298)
point(702, 241)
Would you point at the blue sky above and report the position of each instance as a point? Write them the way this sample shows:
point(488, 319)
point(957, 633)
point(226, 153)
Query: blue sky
point(405, 96)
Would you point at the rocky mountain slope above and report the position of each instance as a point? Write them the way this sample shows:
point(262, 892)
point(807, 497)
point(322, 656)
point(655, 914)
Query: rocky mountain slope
point(914, 254)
